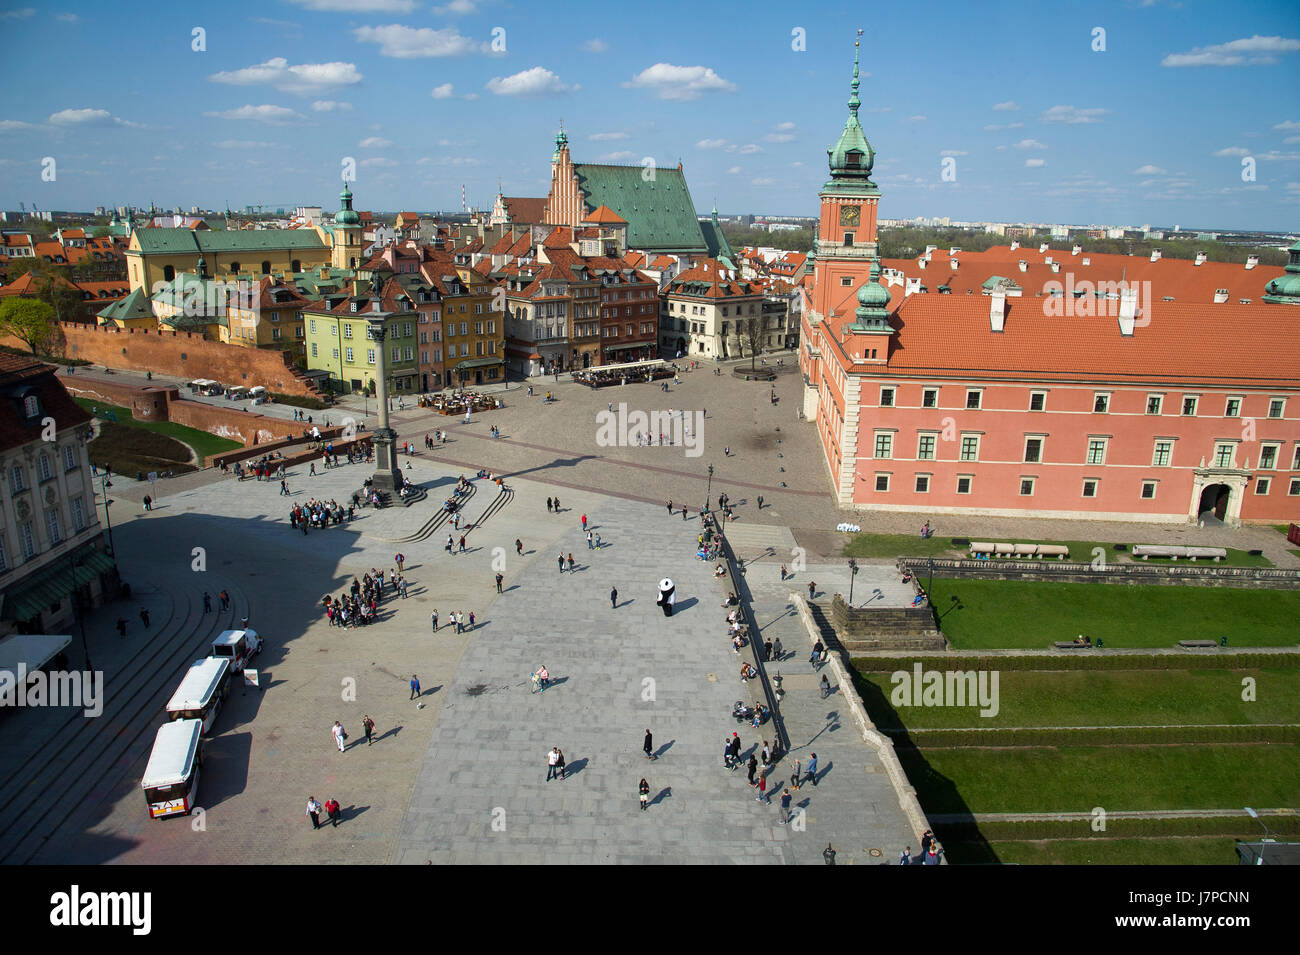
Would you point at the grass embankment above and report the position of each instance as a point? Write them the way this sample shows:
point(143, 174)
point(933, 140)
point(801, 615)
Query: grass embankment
point(1017, 614)
point(202, 442)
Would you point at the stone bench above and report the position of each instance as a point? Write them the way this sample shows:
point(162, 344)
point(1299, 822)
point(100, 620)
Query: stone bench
point(980, 549)
point(1197, 644)
point(1175, 551)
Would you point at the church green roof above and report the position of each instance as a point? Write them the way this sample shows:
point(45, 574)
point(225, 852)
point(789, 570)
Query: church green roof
point(660, 214)
point(182, 241)
point(135, 305)
point(852, 157)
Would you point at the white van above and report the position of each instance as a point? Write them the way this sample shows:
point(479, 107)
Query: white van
point(201, 693)
point(237, 393)
point(258, 394)
point(171, 780)
point(237, 646)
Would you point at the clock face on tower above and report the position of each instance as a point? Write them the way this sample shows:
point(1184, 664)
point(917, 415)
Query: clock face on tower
point(849, 215)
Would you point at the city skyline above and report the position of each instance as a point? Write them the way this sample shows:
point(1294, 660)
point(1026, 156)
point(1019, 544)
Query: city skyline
point(1167, 115)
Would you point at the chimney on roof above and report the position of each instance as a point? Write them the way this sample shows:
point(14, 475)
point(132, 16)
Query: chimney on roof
point(953, 263)
point(1087, 261)
point(953, 250)
point(1048, 260)
point(1077, 249)
point(1155, 255)
point(997, 310)
point(1252, 261)
point(1024, 266)
point(1220, 296)
point(1056, 266)
point(1015, 244)
point(1042, 247)
point(1200, 258)
point(1127, 310)
point(922, 262)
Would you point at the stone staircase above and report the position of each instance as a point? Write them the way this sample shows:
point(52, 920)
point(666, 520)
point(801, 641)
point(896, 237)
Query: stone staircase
point(883, 628)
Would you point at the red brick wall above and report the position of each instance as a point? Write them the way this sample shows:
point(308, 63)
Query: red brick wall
point(147, 349)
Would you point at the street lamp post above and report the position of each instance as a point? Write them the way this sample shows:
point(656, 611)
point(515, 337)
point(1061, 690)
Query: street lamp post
point(105, 484)
point(1268, 836)
point(708, 494)
point(853, 572)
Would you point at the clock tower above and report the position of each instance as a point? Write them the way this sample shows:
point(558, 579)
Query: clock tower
point(846, 236)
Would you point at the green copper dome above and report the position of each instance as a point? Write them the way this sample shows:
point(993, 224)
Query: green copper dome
point(346, 216)
point(872, 313)
point(561, 140)
point(852, 157)
point(1285, 289)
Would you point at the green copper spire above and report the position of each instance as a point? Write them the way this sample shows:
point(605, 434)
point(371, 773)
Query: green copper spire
point(1285, 289)
point(872, 313)
point(346, 216)
point(852, 157)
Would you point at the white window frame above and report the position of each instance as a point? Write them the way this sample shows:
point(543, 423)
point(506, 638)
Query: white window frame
point(1105, 446)
point(1096, 488)
point(934, 449)
point(1276, 447)
point(1155, 453)
point(892, 393)
point(1232, 454)
point(1102, 398)
point(961, 453)
point(1227, 405)
point(888, 437)
point(979, 399)
point(1160, 404)
point(970, 483)
point(1196, 405)
point(929, 480)
point(930, 391)
point(1033, 485)
point(1042, 448)
point(1032, 396)
point(1263, 485)
point(886, 475)
point(1281, 412)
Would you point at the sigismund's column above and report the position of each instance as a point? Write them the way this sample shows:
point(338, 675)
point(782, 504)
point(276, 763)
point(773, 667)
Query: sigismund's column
point(388, 476)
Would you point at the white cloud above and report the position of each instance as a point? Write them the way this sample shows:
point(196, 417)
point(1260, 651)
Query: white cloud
point(442, 92)
point(1008, 106)
point(22, 13)
point(80, 117)
point(1273, 156)
point(330, 106)
point(953, 152)
point(711, 143)
point(409, 43)
point(1251, 51)
point(604, 137)
point(595, 45)
point(304, 79)
point(374, 142)
point(1035, 163)
point(762, 182)
point(377, 161)
point(1071, 114)
point(359, 6)
point(746, 150)
point(458, 7)
point(784, 126)
point(1232, 151)
point(733, 171)
point(1149, 170)
point(1291, 140)
point(680, 82)
point(537, 81)
point(1029, 144)
point(618, 156)
point(471, 96)
point(239, 144)
point(996, 127)
point(1287, 126)
point(11, 124)
point(273, 115)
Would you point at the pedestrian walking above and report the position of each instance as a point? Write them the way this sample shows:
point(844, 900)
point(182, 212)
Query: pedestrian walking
point(649, 745)
point(148, 503)
point(826, 687)
point(207, 602)
point(462, 544)
point(784, 572)
point(816, 653)
point(313, 469)
point(762, 788)
point(778, 651)
point(519, 547)
point(753, 767)
point(369, 726)
point(557, 505)
point(767, 650)
point(785, 806)
point(500, 578)
point(549, 506)
point(340, 737)
point(552, 758)
point(400, 560)
point(560, 560)
point(570, 562)
point(313, 811)
point(121, 626)
point(767, 755)
point(334, 811)
point(434, 619)
point(415, 687)
point(401, 586)
point(589, 547)
point(812, 589)
point(670, 507)
point(613, 598)
point(760, 502)
point(794, 775)
point(144, 617)
point(812, 770)
point(735, 750)
point(726, 754)
point(471, 619)
point(449, 545)
point(584, 522)
point(225, 600)
point(644, 789)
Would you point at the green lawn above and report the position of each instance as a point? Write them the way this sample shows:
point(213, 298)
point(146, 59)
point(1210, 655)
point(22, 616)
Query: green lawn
point(992, 614)
point(1079, 778)
point(126, 450)
point(911, 545)
point(1187, 850)
point(202, 442)
point(1105, 698)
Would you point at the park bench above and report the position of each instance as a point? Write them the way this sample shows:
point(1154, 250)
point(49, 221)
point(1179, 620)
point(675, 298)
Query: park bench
point(981, 549)
point(1174, 551)
point(1196, 644)
point(1070, 645)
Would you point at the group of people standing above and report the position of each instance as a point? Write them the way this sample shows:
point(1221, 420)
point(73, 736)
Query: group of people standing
point(319, 514)
point(360, 605)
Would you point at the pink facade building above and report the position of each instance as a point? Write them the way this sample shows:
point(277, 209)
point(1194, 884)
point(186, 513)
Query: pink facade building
point(1145, 401)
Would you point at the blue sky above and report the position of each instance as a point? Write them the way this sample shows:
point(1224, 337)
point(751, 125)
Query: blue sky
point(1040, 126)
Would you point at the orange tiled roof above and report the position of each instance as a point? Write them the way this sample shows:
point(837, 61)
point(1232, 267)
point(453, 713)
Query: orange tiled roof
point(606, 215)
point(526, 209)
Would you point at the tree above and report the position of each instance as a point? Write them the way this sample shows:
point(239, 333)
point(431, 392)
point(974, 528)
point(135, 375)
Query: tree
point(751, 331)
point(29, 320)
